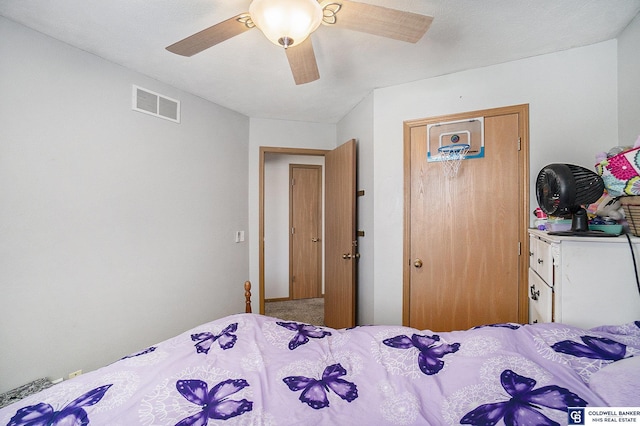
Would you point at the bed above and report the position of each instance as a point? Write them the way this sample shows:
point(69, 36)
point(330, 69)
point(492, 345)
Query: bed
point(249, 369)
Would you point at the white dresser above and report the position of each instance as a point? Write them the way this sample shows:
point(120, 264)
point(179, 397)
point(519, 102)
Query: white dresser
point(582, 281)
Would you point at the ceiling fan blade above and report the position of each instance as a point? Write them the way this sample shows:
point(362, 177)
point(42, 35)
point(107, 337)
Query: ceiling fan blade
point(378, 20)
point(211, 36)
point(302, 61)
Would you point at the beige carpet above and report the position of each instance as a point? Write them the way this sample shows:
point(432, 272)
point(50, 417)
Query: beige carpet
point(308, 311)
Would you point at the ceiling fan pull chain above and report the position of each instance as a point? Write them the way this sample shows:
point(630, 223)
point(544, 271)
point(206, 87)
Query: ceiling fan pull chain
point(329, 12)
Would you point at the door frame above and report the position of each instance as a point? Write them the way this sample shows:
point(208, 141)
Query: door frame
point(523, 196)
point(271, 150)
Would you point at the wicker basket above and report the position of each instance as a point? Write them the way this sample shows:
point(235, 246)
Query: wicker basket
point(631, 207)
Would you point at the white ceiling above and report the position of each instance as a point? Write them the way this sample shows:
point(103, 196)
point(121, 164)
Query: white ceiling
point(250, 75)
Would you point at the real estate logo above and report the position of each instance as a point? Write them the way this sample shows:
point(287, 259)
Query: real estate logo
point(597, 415)
point(576, 416)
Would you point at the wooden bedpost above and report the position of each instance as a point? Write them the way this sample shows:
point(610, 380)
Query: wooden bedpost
point(247, 296)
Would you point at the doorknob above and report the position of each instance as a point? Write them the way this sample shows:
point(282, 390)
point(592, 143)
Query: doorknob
point(314, 240)
point(348, 256)
point(417, 263)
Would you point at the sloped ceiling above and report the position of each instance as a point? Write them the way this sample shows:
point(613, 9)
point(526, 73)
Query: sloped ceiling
point(250, 75)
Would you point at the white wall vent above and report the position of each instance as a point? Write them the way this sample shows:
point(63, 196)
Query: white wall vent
point(156, 104)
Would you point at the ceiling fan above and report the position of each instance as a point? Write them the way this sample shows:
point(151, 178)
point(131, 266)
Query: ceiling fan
point(288, 23)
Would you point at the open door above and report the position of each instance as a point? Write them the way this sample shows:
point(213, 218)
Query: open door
point(341, 251)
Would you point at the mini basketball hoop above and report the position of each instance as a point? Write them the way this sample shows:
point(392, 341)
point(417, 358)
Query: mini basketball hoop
point(451, 156)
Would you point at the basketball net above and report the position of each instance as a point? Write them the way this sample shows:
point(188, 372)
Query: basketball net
point(451, 156)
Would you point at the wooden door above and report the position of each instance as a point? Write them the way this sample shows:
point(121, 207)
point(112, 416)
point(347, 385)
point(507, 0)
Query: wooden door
point(305, 223)
point(340, 237)
point(464, 235)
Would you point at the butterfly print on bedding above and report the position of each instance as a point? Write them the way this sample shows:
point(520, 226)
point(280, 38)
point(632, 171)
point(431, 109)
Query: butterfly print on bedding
point(72, 414)
point(430, 351)
point(215, 403)
point(226, 339)
point(303, 333)
point(314, 392)
point(593, 348)
point(524, 405)
point(144, 352)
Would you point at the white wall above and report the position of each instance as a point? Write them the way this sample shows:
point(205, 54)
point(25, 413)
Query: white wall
point(572, 97)
point(358, 124)
point(629, 83)
point(277, 133)
point(116, 228)
point(276, 221)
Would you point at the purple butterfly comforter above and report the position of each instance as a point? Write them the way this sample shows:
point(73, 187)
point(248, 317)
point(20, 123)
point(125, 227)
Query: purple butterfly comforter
point(250, 369)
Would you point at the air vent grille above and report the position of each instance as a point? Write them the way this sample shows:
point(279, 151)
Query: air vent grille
point(149, 102)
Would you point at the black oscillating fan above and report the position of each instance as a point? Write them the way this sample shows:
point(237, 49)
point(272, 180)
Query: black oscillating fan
point(563, 189)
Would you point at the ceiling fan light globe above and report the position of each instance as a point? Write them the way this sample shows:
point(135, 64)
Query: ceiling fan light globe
point(290, 20)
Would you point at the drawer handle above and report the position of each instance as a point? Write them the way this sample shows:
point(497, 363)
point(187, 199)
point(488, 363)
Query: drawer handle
point(530, 254)
point(540, 261)
point(534, 294)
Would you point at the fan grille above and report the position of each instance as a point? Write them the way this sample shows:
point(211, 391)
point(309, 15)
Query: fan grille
point(561, 189)
point(589, 186)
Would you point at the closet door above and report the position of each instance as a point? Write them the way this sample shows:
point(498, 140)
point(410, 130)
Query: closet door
point(305, 222)
point(464, 235)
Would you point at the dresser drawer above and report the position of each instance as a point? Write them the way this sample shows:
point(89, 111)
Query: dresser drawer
point(540, 299)
point(541, 259)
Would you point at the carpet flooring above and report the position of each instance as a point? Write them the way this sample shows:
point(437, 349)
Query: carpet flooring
point(308, 311)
